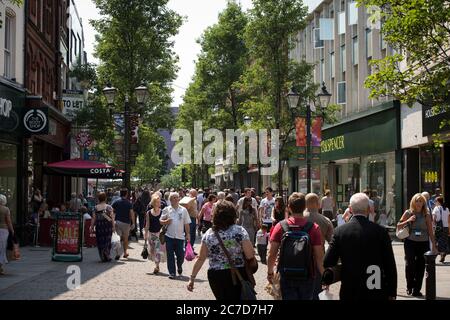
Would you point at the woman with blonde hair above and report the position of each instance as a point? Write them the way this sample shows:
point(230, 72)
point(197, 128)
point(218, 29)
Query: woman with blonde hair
point(420, 225)
point(152, 230)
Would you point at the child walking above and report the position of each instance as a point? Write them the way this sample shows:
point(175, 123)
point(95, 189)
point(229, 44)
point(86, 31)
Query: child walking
point(262, 238)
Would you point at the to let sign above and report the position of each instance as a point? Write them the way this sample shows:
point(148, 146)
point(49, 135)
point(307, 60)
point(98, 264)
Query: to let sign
point(73, 101)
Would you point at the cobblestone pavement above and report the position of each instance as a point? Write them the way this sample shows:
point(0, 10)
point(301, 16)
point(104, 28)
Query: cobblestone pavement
point(36, 277)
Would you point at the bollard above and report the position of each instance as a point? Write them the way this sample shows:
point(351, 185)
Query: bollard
point(430, 264)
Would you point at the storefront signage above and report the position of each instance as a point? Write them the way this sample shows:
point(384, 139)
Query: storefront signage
point(333, 144)
point(84, 139)
point(36, 121)
point(100, 171)
point(431, 177)
point(5, 107)
point(433, 119)
point(73, 101)
point(68, 238)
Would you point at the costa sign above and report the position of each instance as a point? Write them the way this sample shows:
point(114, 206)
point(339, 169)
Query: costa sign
point(100, 171)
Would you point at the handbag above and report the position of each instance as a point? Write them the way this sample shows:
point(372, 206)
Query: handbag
point(247, 288)
point(403, 233)
point(144, 252)
point(162, 234)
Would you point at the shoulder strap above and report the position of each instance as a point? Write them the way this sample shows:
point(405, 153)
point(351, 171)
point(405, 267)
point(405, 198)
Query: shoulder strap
point(233, 268)
point(285, 225)
point(308, 226)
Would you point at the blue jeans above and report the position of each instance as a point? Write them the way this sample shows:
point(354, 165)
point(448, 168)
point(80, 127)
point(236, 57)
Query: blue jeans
point(297, 290)
point(193, 229)
point(174, 247)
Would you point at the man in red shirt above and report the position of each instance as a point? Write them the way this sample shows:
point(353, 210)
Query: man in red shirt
point(296, 289)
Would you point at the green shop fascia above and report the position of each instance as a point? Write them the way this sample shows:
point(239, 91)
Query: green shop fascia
point(364, 152)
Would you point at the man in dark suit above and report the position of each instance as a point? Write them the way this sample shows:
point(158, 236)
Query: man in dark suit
point(364, 248)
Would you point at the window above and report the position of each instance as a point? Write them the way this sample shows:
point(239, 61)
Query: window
point(352, 13)
point(343, 64)
point(341, 22)
point(317, 42)
point(382, 38)
point(322, 70)
point(332, 61)
point(8, 46)
point(369, 50)
point(341, 98)
point(355, 51)
point(326, 29)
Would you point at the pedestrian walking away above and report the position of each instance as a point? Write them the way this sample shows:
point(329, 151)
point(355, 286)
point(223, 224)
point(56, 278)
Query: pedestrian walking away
point(327, 204)
point(103, 224)
point(366, 255)
point(262, 240)
point(419, 222)
point(237, 242)
point(298, 244)
point(326, 230)
point(124, 216)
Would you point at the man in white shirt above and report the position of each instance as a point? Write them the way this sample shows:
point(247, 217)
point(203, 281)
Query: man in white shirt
point(248, 194)
point(178, 231)
point(266, 207)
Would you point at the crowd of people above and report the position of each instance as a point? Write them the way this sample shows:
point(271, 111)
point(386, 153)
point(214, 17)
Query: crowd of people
point(289, 237)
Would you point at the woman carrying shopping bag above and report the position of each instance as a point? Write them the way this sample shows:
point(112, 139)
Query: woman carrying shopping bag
point(157, 252)
point(103, 223)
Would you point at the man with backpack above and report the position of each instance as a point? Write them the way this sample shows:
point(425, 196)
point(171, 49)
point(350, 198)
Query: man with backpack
point(298, 243)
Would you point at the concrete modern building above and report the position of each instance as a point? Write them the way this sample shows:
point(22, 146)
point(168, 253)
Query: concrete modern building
point(363, 150)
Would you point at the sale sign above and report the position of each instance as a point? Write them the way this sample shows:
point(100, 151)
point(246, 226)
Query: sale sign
point(68, 236)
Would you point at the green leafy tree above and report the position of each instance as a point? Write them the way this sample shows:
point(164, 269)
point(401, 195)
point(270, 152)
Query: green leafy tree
point(134, 45)
point(419, 32)
point(272, 25)
point(213, 97)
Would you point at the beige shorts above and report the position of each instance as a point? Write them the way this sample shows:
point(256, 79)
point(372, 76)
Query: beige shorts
point(123, 229)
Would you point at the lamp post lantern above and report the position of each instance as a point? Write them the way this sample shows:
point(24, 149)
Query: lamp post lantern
point(142, 94)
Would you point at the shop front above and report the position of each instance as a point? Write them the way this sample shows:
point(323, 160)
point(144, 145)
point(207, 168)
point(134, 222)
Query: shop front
point(364, 154)
point(12, 171)
point(436, 153)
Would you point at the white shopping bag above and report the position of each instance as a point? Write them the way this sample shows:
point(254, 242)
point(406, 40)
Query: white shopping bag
point(116, 247)
point(327, 295)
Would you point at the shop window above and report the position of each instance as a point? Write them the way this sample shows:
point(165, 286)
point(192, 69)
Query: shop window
point(8, 177)
point(430, 169)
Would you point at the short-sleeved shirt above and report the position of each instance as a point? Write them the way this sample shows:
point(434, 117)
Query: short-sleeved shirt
point(122, 209)
point(180, 217)
point(240, 203)
point(262, 237)
point(325, 225)
point(207, 211)
point(232, 239)
point(441, 214)
point(268, 206)
point(314, 233)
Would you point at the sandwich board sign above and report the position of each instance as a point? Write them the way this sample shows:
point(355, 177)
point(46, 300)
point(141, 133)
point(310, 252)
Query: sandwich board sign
point(68, 241)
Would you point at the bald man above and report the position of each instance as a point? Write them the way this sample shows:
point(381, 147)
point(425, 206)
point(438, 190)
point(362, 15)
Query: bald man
point(326, 230)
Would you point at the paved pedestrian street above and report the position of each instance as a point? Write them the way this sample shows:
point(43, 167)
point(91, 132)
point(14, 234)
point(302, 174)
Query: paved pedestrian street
point(36, 277)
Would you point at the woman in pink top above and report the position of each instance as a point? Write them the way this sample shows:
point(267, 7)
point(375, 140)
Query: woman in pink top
point(205, 215)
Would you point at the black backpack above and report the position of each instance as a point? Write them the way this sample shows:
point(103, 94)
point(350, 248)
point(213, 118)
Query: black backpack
point(295, 260)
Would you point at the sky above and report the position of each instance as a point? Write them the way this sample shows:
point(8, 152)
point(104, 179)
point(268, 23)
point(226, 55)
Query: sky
point(199, 14)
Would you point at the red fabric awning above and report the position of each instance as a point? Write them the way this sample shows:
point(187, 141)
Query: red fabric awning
point(80, 168)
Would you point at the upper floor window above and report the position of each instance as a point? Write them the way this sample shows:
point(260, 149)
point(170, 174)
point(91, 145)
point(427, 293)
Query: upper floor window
point(369, 50)
point(9, 27)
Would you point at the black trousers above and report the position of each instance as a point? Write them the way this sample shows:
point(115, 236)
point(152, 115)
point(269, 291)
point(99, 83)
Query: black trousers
point(262, 252)
point(415, 263)
point(221, 283)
